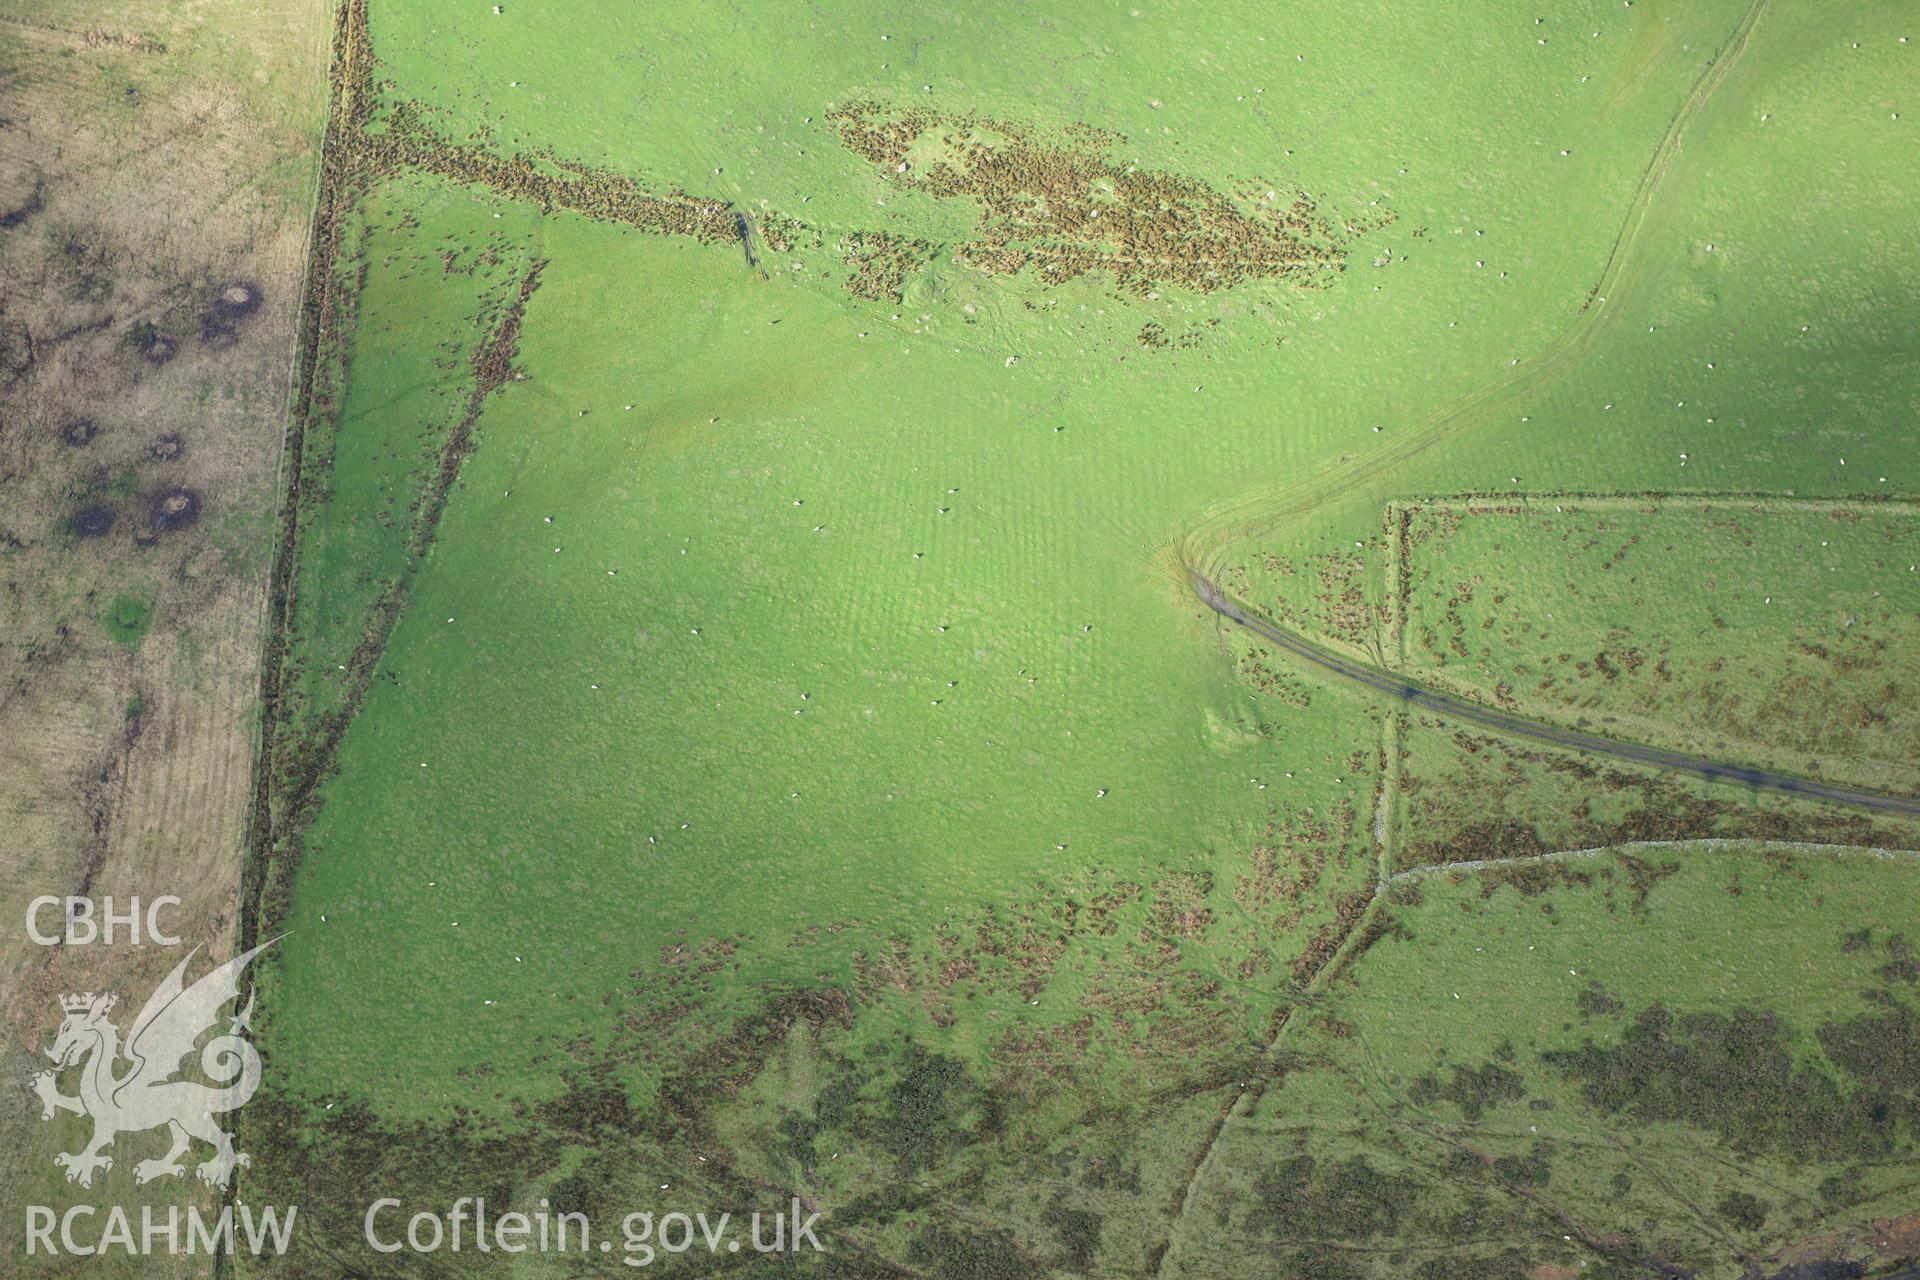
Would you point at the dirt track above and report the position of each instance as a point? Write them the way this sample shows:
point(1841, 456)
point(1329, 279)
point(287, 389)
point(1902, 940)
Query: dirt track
point(1264, 510)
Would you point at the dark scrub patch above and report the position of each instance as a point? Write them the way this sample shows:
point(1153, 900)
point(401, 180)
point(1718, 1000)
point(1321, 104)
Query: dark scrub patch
point(91, 522)
point(18, 215)
point(1738, 1075)
point(216, 334)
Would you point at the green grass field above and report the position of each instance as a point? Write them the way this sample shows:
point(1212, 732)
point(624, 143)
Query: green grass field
point(746, 728)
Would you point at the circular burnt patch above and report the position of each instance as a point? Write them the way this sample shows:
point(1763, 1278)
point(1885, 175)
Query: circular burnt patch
point(175, 509)
point(79, 431)
point(240, 298)
point(166, 448)
point(216, 334)
point(91, 522)
point(154, 346)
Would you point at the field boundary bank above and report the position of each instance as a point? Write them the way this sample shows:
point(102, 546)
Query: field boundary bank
point(1653, 501)
point(310, 331)
point(1712, 844)
point(318, 298)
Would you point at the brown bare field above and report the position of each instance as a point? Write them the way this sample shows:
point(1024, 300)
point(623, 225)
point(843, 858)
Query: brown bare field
point(157, 168)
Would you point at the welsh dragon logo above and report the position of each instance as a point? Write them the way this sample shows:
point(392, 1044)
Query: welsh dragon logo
point(146, 1093)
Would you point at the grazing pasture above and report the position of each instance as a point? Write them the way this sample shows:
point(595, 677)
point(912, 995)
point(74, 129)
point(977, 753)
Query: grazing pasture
point(745, 727)
point(1616, 1058)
